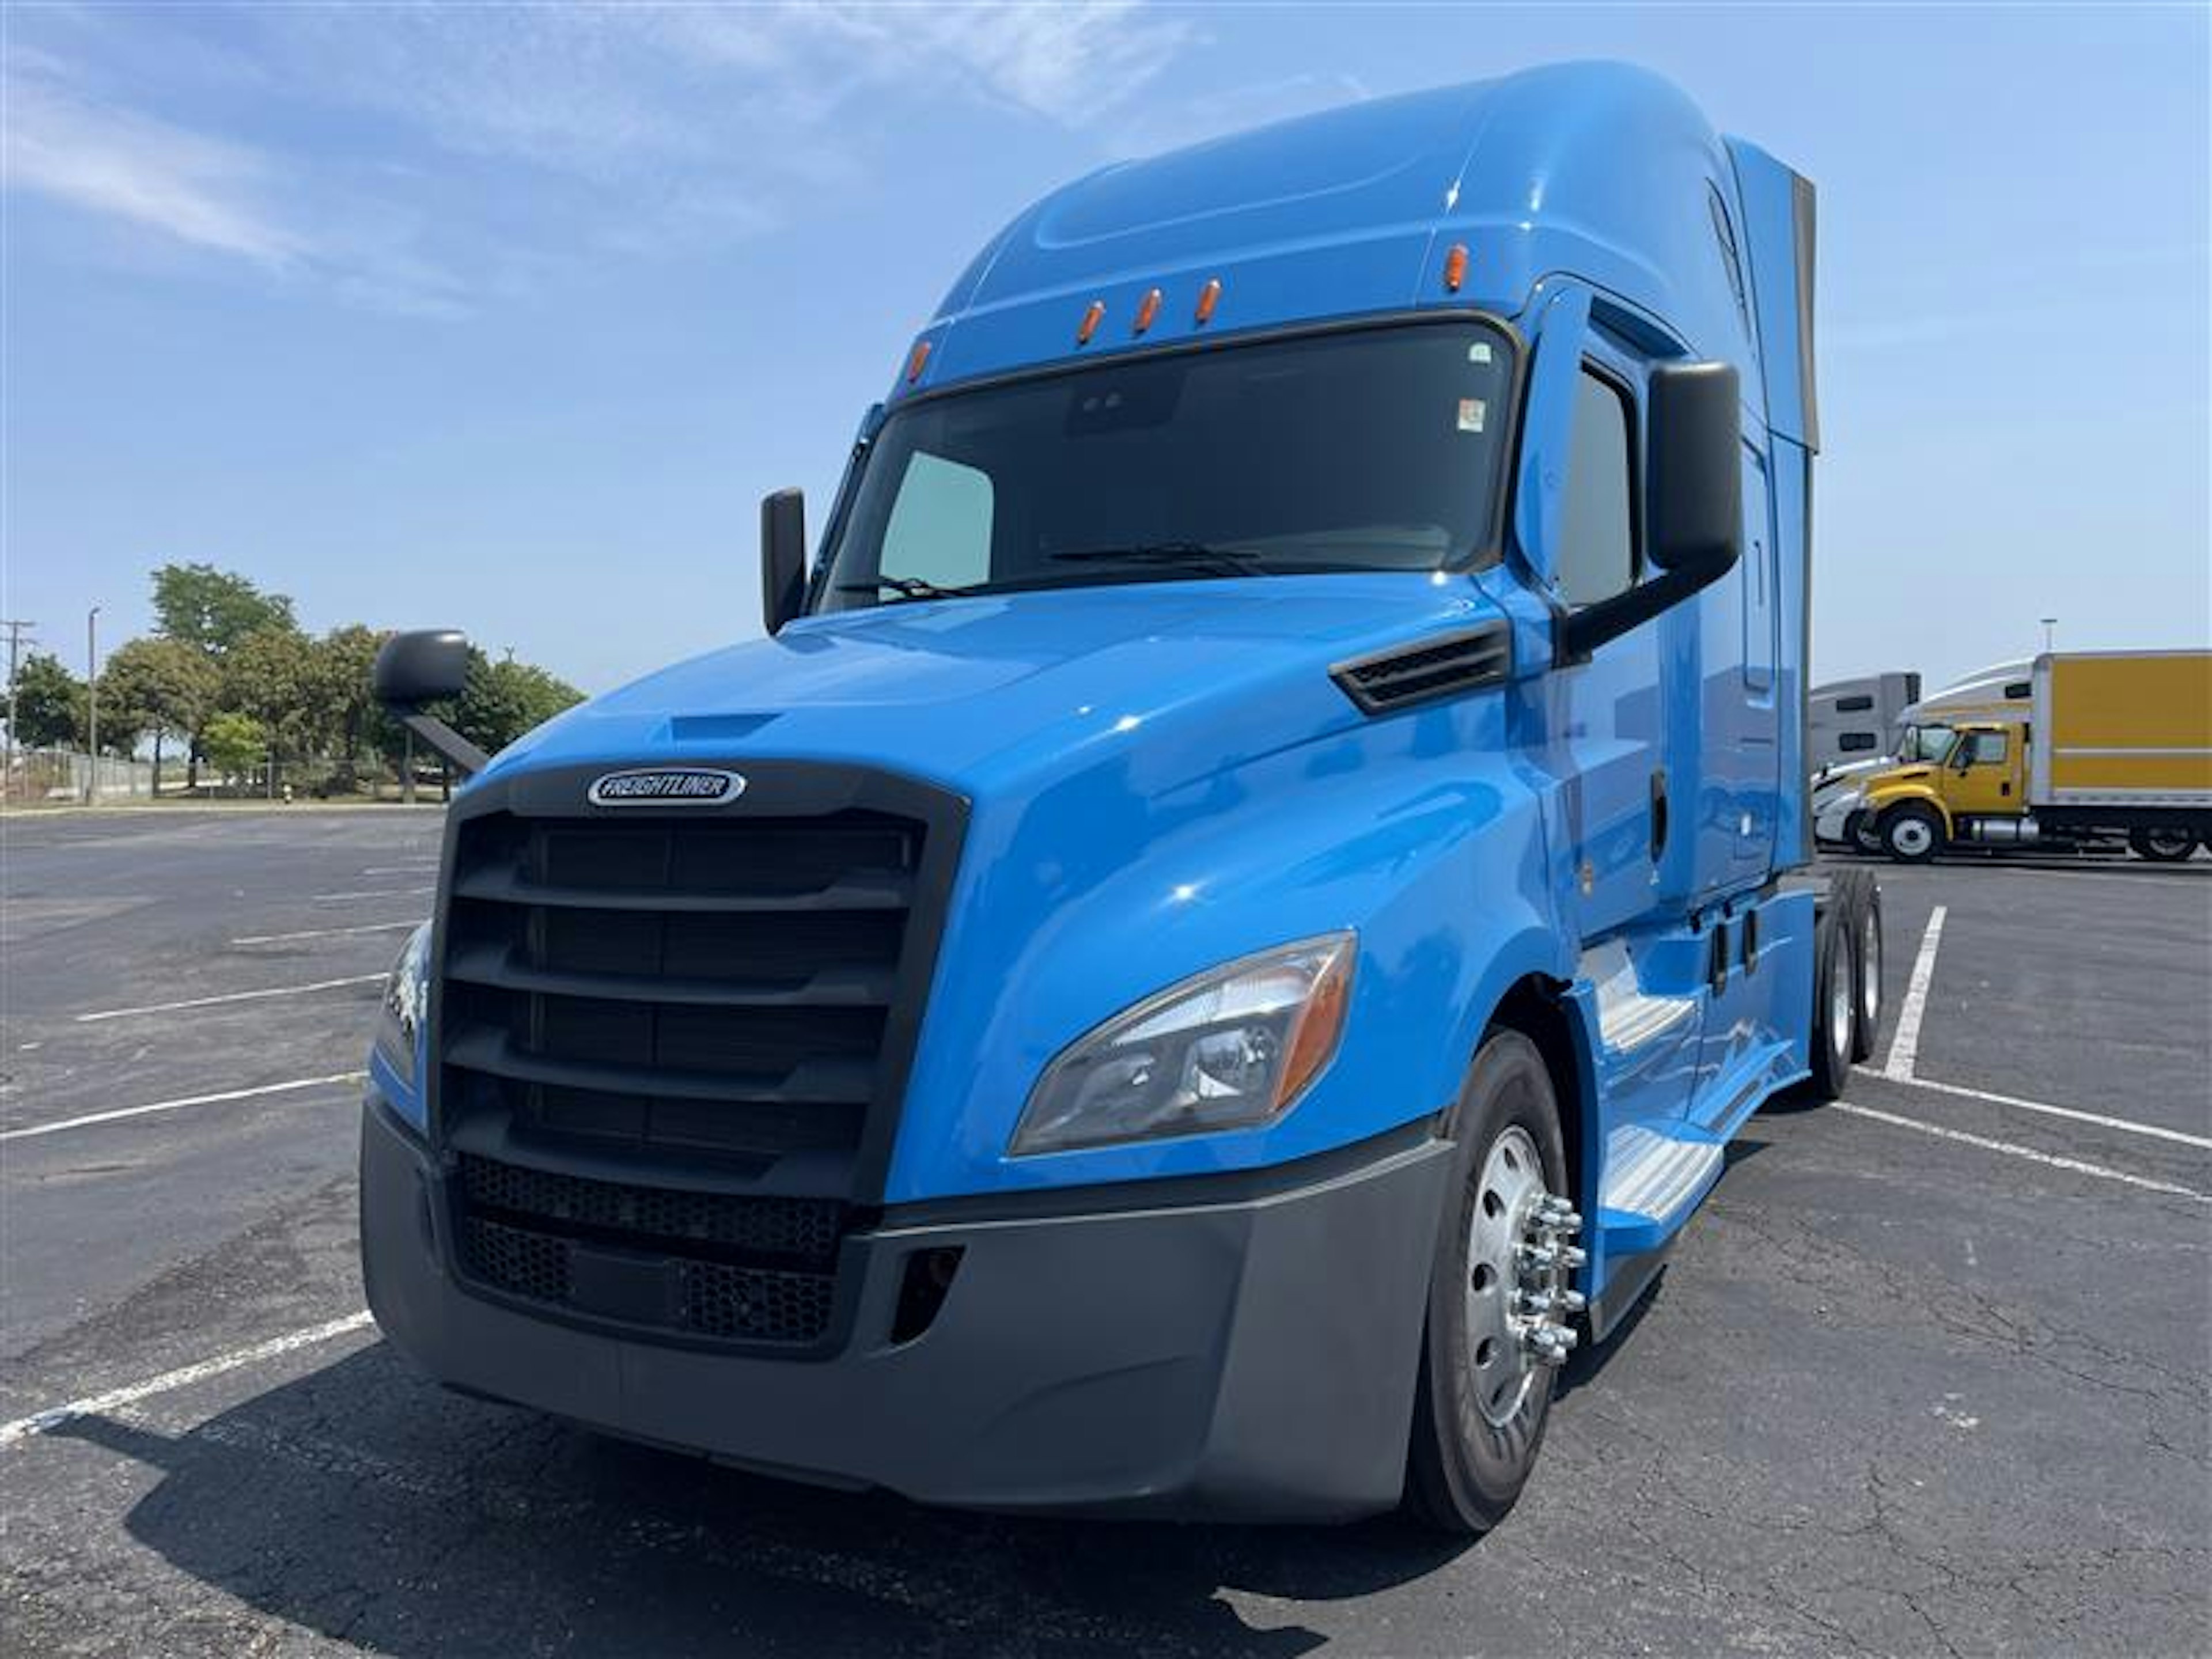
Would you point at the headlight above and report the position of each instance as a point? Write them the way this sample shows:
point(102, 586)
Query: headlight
point(406, 999)
point(1228, 1049)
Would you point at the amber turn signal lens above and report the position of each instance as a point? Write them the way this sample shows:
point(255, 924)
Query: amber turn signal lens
point(1313, 1042)
point(1089, 326)
point(914, 361)
point(1454, 267)
point(1208, 297)
point(1147, 308)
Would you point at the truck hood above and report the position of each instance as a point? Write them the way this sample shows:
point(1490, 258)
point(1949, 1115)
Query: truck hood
point(964, 691)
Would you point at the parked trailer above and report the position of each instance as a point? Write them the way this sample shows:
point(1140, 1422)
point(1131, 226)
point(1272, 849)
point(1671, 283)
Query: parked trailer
point(1231, 921)
point(2117, 745)
point(1852, 721)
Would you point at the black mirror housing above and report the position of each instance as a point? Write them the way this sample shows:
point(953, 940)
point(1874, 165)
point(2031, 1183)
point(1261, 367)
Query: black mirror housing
point(422, 666)
point(1692, 502)
point(425, 666)
point(783, 557)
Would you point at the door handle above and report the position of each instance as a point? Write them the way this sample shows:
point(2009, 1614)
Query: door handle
point(1658, 812)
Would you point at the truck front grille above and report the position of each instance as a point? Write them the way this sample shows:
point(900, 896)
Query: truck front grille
point(718, 987)
point(707, 1263)
point(671, 1040)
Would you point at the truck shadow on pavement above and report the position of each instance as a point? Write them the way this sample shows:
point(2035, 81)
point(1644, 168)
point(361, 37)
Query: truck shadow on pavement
point(366, 1505)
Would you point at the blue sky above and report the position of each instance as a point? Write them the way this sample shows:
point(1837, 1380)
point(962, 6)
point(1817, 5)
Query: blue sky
point(506, 318)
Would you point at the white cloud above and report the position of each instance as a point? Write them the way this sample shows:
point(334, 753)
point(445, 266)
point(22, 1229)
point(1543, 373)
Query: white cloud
point(200, 190)
point(646, 127)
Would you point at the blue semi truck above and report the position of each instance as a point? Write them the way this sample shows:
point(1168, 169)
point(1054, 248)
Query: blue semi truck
point(1230, 921)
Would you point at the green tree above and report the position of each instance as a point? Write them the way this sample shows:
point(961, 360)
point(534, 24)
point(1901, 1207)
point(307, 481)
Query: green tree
point(503, 700)
point(270, 674)
point(214, 610)
point(232, 742)
point(344, 716)
point(155, 687)
point(49, 702)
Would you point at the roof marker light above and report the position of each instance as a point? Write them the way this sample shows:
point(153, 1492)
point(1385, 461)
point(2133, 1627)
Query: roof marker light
point(1089, 326)
point(915, 360)
point(1208, 297)
point(1147, 308)
point(1454, 267)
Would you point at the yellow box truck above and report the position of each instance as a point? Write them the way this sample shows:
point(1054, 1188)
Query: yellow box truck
point(2118, 744)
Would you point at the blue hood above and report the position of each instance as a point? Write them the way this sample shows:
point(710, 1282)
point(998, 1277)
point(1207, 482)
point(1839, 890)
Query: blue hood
point(978, 694)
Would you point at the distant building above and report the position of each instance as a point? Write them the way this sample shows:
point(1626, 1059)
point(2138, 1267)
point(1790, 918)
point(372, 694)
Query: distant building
point(1859, 720)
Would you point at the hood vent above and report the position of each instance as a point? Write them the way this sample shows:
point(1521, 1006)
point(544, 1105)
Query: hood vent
point(1445, 666)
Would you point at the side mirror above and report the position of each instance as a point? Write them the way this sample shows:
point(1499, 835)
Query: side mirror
point(423, 667)
point(1692, 500)
point(783, 557)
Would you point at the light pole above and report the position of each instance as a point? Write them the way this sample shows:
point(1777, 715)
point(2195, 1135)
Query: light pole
point(2049, 626)
point(92, 706)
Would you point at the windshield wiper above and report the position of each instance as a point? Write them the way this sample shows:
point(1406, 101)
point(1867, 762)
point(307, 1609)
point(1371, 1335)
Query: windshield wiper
point(1198, 555)
point(907, 587)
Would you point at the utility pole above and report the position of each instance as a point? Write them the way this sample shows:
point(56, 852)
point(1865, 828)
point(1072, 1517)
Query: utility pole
point(15, 632)
point(92, 706)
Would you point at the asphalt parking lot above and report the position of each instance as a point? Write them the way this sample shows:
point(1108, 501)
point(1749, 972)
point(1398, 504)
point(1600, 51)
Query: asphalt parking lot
point(1929, 1375)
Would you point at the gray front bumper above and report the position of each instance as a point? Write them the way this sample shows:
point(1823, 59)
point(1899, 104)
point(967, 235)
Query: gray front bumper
point(1249, 1355)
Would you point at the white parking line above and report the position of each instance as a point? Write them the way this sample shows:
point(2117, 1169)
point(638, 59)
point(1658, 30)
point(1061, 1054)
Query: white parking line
point(2075, 1165)
point(1904, 1040)
point(427, 867)
point(375, 893)
point(184, 1376)
point(119, 1112)
point(326, 933)
point(230, 996)
point(2127, 1124)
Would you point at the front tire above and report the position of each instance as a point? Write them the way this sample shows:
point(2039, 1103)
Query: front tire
point(1484, 1388)
point(1913, 833)
point(2161, 846)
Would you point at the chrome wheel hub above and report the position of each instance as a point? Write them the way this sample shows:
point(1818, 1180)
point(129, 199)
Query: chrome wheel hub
point(1520, 1263)
point(1913, 837)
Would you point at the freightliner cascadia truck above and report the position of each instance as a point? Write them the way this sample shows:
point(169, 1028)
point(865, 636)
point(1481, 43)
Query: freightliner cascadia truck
point(1229, 922)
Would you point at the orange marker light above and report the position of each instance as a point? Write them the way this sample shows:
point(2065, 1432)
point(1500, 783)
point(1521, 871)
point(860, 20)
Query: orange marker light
point(1147, 308)
point(1208, 297)
point(915, 360)
point(1454, 267)
point(1089, 326)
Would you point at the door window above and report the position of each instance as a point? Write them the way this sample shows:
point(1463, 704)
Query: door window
point(1596, 556)
point(1987, 748)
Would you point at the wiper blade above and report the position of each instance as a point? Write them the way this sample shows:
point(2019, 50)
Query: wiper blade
point(1198, 554)
point(907, 587)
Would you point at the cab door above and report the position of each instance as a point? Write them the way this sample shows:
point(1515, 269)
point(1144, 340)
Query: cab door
point(1982, 779)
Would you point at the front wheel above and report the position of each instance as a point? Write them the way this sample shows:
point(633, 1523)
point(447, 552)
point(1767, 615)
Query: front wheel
point(1500, 1308)
point(2161, 846)
point(1913, 833)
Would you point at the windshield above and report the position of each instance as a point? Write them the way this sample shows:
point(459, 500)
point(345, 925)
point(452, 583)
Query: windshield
point(1929, 743)
point(1373, 449)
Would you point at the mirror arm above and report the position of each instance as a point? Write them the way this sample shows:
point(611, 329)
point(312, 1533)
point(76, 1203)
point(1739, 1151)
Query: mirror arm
point(466, 757)
point(1583, 631)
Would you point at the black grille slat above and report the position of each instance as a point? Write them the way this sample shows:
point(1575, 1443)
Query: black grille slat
point(498, 965)
point(495, 1055)
point(863, 892)
point(1467, 661)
